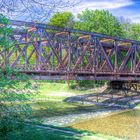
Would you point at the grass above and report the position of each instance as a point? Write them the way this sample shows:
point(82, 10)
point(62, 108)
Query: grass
point(49, 102)
point(55, 108)
point(53, 90)
point(55, 93)
point(34, 133)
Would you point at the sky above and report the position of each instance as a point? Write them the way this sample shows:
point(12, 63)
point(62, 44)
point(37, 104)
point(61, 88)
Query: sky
point(127, 8)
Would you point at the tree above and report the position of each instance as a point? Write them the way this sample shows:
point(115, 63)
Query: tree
point(13, 87)
point(131, 30)
point(64, 19)
point(5, 32)
point(126, 26)
point(134, 32)
point(34, 10)
point(100, 21)
point(125, 22)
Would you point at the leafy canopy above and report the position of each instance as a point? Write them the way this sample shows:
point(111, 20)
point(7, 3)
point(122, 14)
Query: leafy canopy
point(64, 19)
point(13, 88)
point(134, 32)
point(100, 21)
point(5, 32)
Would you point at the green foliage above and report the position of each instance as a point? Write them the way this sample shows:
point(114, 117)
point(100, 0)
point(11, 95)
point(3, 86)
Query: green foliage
point(12, 93)
point(13, 89)
point(57, 133)
point(5, 32)
point(131, 30)
point(90, 83)
point(100, 21)
point(134, 31)
point(65, 19)
point(34, 133)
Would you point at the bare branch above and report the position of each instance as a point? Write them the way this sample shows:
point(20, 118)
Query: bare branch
point(33, 10)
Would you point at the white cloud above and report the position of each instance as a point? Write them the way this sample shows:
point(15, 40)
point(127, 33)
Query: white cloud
point(100, 4)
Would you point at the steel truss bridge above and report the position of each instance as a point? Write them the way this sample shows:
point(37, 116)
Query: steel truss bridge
point(49, 52)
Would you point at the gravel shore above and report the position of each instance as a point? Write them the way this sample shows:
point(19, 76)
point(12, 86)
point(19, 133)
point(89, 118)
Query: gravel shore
point(69, 119)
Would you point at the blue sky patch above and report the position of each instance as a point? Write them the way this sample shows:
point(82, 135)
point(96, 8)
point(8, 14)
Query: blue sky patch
point(121, 8)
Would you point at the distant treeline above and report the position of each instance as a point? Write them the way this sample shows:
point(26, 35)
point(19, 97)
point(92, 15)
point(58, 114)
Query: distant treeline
point(101, 21)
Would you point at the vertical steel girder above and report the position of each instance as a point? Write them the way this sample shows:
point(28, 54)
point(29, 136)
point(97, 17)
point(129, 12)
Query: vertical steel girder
point(49, 50)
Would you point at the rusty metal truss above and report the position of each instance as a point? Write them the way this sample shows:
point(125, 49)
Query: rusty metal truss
point(49, 52)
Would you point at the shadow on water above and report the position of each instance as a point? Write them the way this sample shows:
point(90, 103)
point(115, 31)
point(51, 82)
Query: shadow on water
point(121, 99)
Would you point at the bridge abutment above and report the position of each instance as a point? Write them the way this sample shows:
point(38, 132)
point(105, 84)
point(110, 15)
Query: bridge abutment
point(124, 85)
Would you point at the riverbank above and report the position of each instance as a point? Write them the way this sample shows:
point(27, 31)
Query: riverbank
point(50, 106)
point(56, 99)
point(71, 118)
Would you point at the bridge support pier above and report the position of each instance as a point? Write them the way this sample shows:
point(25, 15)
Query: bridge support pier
point(124, 85)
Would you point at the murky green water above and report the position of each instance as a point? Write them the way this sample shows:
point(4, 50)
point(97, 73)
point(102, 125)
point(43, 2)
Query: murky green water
point(125, 125)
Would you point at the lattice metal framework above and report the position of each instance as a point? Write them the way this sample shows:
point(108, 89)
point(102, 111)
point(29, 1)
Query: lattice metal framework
point(50, 52)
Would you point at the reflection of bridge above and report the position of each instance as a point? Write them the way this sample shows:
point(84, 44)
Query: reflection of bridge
point(56, 53)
